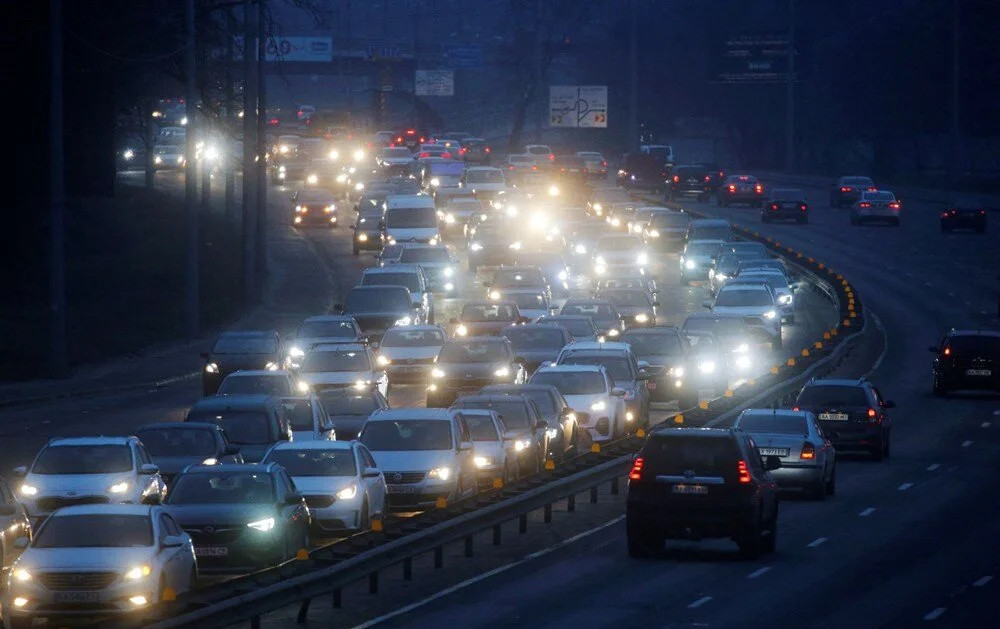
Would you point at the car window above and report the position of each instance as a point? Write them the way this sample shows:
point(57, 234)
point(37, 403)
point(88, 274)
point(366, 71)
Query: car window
point(314, 462)
point(367, 457)
point(241, 427)
point(832, 395)
point(702, 455)
point(463, 430)
point(83, 459)
point(408, 435)
point(143, 456)
point(792, 424)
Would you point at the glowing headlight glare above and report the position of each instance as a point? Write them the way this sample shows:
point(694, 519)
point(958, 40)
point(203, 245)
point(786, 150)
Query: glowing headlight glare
point(437, 373)
point(271, 366)
point(359, 155)
point(742, 348)
point(689, 264)
point(784, 299)
point(138, 600)
point(461, 330)
point(211, 368)
point(262, 525)
point(449, 218)
point(383, 361)
point(598, 406)
point(551, 433)
point(333, 155)
point(22, 575)
point(342, 178)
point(444, 473)
point(302, 386)
point(138, 572)
point(358, 187)
point(494, 294)
point(363, 237)
point(210, 461)
point(403, 320)
point(613, 332)
point(642, 258)
point(296, 352)
point(312, 179)
point(448, 271)
point(482, 461)
point(580, 249)
point(521, 444)
point(503, 372)
point(128, 154)
point(348, 492)
point(654, 234)
point(770, 315)
point(475, 247)
point(20, 601)
point(642, 317)
point(435, 182)
point(119, 488)
point(743, 362)
point(28, 490)
point(706, 366)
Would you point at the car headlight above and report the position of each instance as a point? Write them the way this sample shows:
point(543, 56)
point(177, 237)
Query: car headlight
point(212, 368)
point(296, 352)
point(599, 261)
point(770, 315)
point(128, 154)
point(392, 240)
point(157, 160)
point(449, 286)
point(494, 295)
point(435, 182)
point(22, 575)
point(742, 362)
point(503, 372)
point(461, 330)
point(598, 406)
point(449, 219)
point(615, 222)
point(330, 209)
point(271, 366)
point(362, 237)
point(443, 473)
point(358, 187)
point(281, 169)
point(312, 179)
point(742, 348)
point(613, 332)
point(448, 271)
point(654, 234)
point(333, 155)
point(689, 264)
point(383, 361)
point(437, 373)
point(676, 372)
point(302, 386)
point(515, 245)
point(283, 149)
point(551, 433)
point(119, 488)
point(563, 275)
point(184, 121)
point(28, 490)
point(598, 208)
point(642, 317)
point(642, 258)
point(580, 249)
point(706, 366)
point(475, 247)
point(348, 492)
point(403, 320)
point(553, 191)
point(482, 461)
point(721, 277)
point(359, 155)
point(784, 300)
point(342, 178)
point(138, 572)
point(262, 525)
point(210, 461)
point(521, 444)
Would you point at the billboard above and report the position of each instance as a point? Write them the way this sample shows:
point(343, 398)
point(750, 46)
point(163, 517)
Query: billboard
point(434, 83)
point(753, 58)
point(581, 106)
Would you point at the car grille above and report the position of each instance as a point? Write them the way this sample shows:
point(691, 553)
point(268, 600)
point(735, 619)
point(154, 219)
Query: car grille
point(319, 502)
point(413, 361)
point(51, 503)
point(214, 534)
point(404, 478)
point(77, 580)
point(463, 383)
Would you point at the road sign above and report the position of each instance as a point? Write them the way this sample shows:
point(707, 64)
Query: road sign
point(583, 106)
point(464, 56)
point(753, 58)
point(434, 83)
point(382, 52)
point(298, 49)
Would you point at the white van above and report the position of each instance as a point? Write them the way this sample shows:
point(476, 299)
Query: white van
point(411, 218)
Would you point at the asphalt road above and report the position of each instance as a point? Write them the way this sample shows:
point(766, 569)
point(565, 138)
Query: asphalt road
point(908, 542)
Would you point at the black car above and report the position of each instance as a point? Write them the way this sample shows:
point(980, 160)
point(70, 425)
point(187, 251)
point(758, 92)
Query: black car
point(785, 204)
point(175, 445)
point(674, 374)
point(240, 517)
point(967, 359)
point(465, 365)
point(349, 409)
point(411, 138)
point(636, 307)
point(569, 170)
point(717, 174)
point(536, 343)
point(606, 317)
point(238, 351)
point(693, 483)
point(847, 190)
point(519, 277)
point(314, 207)
point(486, 318)
point(489, 245)
point(740, 189)
point(522, 422)
point(377, 308)
point(475, 151)
point(252, 422)
point(564, 423)
point(640, 170)
point(852, 413)
point(956, 217)
point(688, 181)
point(368, 234)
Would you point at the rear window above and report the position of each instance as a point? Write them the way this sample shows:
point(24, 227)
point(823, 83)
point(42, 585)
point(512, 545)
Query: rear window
point(833, 396)
point(702, 455)
point(775, 423)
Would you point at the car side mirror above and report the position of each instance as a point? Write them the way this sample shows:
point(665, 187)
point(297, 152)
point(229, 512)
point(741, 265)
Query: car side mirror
point(371, 472)
point(643, 365)
point(231, 450)
point(932, 349)
point(772, 463)
point(8, 509)
point(293, 499)
point(618, 392)
point(338, 308)
point(21, 543)
point(149, 468)
point(20, 470)
point(172, 541)
point(152, 499)
point(889, 404)
point(542, 425)
point(706, 304)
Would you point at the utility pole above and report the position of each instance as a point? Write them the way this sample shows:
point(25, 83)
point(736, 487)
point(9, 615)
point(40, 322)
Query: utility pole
point(956, 128)
point(261, 143)
point(148, 140)
point(58, 359)
point(633, 63)
point(249, 153)
point(227, 152)
point(790, 93)
point(191, 305)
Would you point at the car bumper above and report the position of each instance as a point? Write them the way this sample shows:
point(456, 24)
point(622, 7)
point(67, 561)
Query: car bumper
point(852, 437)
point(784, 215)
point(240, 555)
point(339, 517)
point(109, 601)
point(959, 380)
point(790, 476)
point(409, 374)
point(675, 522)
point(418, 496)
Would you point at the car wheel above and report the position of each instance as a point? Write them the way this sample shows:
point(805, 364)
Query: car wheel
point(831, 483)
point(750, 541)
point(939, 388)
point(818, 490)
point(886, 451)
point(878, 451)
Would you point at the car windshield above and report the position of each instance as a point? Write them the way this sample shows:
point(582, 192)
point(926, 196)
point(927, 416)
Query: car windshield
point(481, 427)
point(244, 345)
point(404, 337)
point(776, 280)
point(238, 488)
point(299, 414)
point(407, 434)
point(83, 459)
point(619, 243)
point(408, 279)
point(832, 396)
point(654, 344)
point(618, 367)
point(327, 329)
point(330, 361)
point(424, 254)
point(728, 264)
point(627, 298)
point(481, 313)
point(411, 218)
point(378, 300)
point(719, 232)
point(447, 168)
point(737, 297)
point(719, 326)
point(347, 403)
point(241, 427)
point(572, 382)
point(579, 328)
point(178, 441)
point(526, 301)
point(315, 462)
point(881, 195)
point(97, 530)
point(484, 176)
point(472, 352)
point(517, 277)
point(701, 248)
point(240, 384)
point(524, 338)
point(513, 413)
point(775, 423)
point(520, 159)
point(751, 265)
point(592, 310)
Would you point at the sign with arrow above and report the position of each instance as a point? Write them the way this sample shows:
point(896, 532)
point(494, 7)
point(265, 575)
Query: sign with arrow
point(581, 106)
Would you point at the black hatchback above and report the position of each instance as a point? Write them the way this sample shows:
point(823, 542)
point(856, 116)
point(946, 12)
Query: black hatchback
point(852, 413)
point(967, 359)
point(237, 351)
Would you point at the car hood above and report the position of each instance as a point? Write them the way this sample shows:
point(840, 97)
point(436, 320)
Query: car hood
point(477, 328)
point(405, 353)
point(755, 311)
point(336, 377)
point(583, 402)
point(412, 460)
point(634, 310)
point(469, 370)
point(82, 484)
point(397, 161)
point(402, 234)
point(236, 362)
point(119, 559)
point(225, 514)
point(534, 313)
point(322, 485)
point(488, 448)
point(308, 342)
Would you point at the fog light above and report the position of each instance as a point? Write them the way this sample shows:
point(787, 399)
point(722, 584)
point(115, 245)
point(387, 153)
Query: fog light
point(629, 416)
point(298, 220)
point(449, 287)
point(138, 601)
point(20, 601)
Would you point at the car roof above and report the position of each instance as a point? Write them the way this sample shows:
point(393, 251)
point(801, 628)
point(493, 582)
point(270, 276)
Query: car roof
point(519, 387)
point(836, 382)
point(380, 287)
point(461, 340)
point(180, 426)
point(486, 397)
point(329, 318)
point(89, 441)
point(256, 373)
point(598, 346)
point(775, 412)
point(339, 347)
point(248, 334)
point(990, 333)
point(313, 445)
point(397, 414)
point(573, 367)
point(105, 509)
point(556, 318)
point(653, 329)
point(234, 402)
point(395, 268)
point(253, 468)
point(419, 328)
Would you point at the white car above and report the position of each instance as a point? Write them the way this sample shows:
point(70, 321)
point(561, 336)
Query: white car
point(615, 252)
point(278, 382)
point(541, 153)
point(407, 353)
point(89, 470)
point(779, 284)
point(531, 302)
point(696, 259)
point(308, 419)
point(595, 163)
point(394, 157)
point(485, 182)
point(339, 480)
point(752, 301)
point(322, 329)
point(590, 390)
point(341, 366)
point(424, 453)
point(494, 454)
point(409, 275)
point(113, 558)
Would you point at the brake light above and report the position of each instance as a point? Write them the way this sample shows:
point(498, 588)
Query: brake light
point(864, 204)
point(534, 167)
point(273, 121)
point(411, 132)
point(808, 451)
point(562, 170)
point(758, 188)
point(446, 155)
point(422, 140)
point(743, 472)
point(872, 189)
point(463, 151)
point(796, 408)
point(708, 177)
point(732, 188)
point(774, 207)
point(721, 174)
point(947, 351)
point(487, 149)
point(803, 207)
point(604, 164)
point(872, 414)
point(636, 473)
point(511, 167)
point(552, 157)
point(677, 178)
point(894, 206)
point(845, 189)
point(424, 154)
point(298, 113)
point(399, 140)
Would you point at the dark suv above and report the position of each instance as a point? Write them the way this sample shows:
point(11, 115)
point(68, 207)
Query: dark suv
point(967, 359)
point(693, 483)
point(852, 413)
point(690, 181)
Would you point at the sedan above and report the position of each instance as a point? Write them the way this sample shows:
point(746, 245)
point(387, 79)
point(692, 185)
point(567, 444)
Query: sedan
point(785, 204)
point(955, 217)
point(340, 366)
point(604, 314)
point(175, 445)
point(877, 206)
point(847, 190)
point(589, 390)
point(407, 353)
point(522, 423)
point(808, 458)
point(740, 189)
point(563, 434)
point(349, 409)
point(467, 364)
point(234, 351)
point(486, 318)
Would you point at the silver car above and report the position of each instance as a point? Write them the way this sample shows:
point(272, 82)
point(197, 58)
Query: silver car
point(407, 353)
point(493, 453)
point(876, 205)
point(808, 458)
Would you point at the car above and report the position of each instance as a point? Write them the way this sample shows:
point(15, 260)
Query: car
point(168, 157)
point(407, 353)
point(711, 229)
point(622, 213)
point(483, 182)
point(875, 206)
point(569, 171)
point(495, 454)
point(726, 266)
point(734, 342)
point(489, 245)
point(664, 153)
point(553, 264)
point(785, 204)
point(563, 433)
point(625, 369)
point(779, 284)
point(688, 181)
point(322, 172)
point(531, 302)
point(368, 229)
point(402, 274)
point(963, 217)
point(847, 190)
point(591, 394)
point(966, 359)
point(349, 409)
point(411, 218)
point(88, 470)
point(627, 279)
point(716, 172)
point(755, 301)
point(636, 306)
point(522, 169)
point(541, 153)
point(475, 150)
point(410, 138)
point(636, 220)
point(424, 453)
point(696, 483)
point(106, 560)
point(15, 524)
point(457, 213)
point(674, 374)
point(241, 518)
point(740, 189)
point(518, 278)
point(280, 382)
point(602, 198)
point(465, 365)
point(667, 231)
point(308, 419)
point(390, 254)
point(696, 259)
point(852, 413)
point(808, 458)
point(522, 423)
point(439, 265)
point(378, 308)
point(580, 327)
point(339, 480)
point(537, 343)
point(172, 446)
point(343, 365)
point(597, 166)
point(640, 170)
point(486, 318)
point(251, 422)
point(235, 351)
point(603, 313)
point(394, 160)
point(440, 175)
point(322, 330)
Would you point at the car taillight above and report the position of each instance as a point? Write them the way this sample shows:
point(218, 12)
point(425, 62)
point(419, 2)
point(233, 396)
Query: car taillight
point(708, 177)
point(872, 189)
point(446, 155)
point(463, 151)
point(510, 168)
point(758, 188)
point(732, 188)
point(808, 451)
point(677, 178)
point(872, 414)
point(424, 154)
point(422, 140)
point(744, 473)
point(864, 204)
point(604, 164)
point(411, 132)
point(552, 157)
point(534, 167)
point(775, 206)
point(894, 206)
point(946, 351)
point(982, 211)
point(562, 170)
point(845, 189)
point(399, 139)
point(796, 408)
point(486, 150)
point(803, 207)
point(721, 174)
point(636, 473)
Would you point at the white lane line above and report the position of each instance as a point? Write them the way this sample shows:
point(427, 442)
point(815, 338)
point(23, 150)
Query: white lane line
point(986, 424)
point(966, 444)
point(981, 581)
point(816, 542)
point(885, 347)
point(933, 466)
point(951, 294)
point(757, 573)
point(867, 512)
point(905, 486)
point(486, 575)
point(927, 284)
point(996, 413)
point(934, 614)
point(701, 601)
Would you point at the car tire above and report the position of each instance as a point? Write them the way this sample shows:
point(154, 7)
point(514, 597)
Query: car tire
point(878, 451)
point(365, 522)
point(831, 483)
point(818, 490)
point(750, 541)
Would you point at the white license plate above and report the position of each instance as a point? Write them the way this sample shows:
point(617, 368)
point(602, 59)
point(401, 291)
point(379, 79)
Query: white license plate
point(978, 372)
point(400, 489)
point(690, 489)
point(211, 551)
point(76, 597)
point(840, 417)
point(773, 451)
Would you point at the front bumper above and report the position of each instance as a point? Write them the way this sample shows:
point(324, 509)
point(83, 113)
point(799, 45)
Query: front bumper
point(339, 516)
point(52, 604)
point(418, 496)
point(409, 374)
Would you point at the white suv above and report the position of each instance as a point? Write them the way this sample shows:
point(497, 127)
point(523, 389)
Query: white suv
point(89, 470)
point(755, 301)
point(592, 394)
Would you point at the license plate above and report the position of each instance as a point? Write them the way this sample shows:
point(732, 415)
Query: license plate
point(788, 206)
point(211, 551)
point(651, 386)
point(978, 372)
point(76, 597)
point(773, 451)
point(840, 417)
point(400, 489)
point(690, 489)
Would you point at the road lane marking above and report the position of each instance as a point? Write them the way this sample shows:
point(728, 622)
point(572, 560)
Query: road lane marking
point(816, 542)
point(905, 486)
point(996, 412)
point(981, 581)
point(885, 347)
point(933, 466)
point(482, 577)
point(966, 444)
point(757, 573)
point(867, 512)
point(986, 424)
point(934, 614)
point(701, 601)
